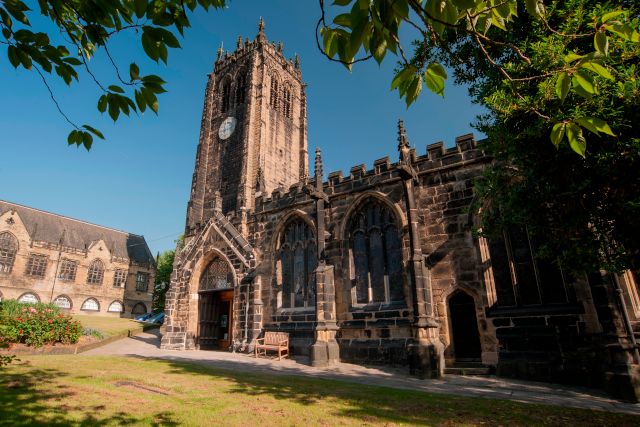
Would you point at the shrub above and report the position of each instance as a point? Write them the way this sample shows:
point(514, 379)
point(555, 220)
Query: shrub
point(36, 324)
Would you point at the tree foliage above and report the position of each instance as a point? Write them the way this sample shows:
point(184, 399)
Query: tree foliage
point(164, 268)
point(574, 68)
point(88, 26)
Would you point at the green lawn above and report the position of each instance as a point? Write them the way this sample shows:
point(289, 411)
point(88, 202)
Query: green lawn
point(109, 326)
point(90, 390)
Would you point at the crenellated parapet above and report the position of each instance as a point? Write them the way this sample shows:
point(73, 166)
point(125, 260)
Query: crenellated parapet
point(435, 159)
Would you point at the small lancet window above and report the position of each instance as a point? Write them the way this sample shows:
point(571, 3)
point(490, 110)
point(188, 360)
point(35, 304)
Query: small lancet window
point(287, 102)
point(273, 100)
point(226, 96)
point(241, 88)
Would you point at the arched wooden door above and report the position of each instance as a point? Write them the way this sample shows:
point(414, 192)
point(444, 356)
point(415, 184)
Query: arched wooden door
point(215, 308)
point(464, 327)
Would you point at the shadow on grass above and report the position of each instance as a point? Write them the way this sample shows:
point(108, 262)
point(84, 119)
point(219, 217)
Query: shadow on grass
point(26, 396)
point(384, 405)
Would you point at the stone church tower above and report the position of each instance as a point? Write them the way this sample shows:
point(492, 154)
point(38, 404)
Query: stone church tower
point(253, 135)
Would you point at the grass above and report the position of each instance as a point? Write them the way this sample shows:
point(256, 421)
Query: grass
point(109, 326)
point(108, 390)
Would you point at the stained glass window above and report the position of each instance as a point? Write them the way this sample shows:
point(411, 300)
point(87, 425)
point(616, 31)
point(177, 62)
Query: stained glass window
point(298, 261)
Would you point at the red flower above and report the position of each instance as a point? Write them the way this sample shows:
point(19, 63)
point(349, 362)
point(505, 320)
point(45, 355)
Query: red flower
point(20, 332)
point(49, 320)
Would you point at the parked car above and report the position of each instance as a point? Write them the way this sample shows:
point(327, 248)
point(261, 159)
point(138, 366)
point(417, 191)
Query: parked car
point(157, 318)
point(144, 317)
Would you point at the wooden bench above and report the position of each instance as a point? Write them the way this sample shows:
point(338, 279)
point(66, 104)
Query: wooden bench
point(276, 341)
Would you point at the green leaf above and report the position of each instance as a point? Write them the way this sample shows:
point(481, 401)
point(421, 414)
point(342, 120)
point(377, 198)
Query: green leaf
point(140, 8)
point(464, 4)
point(576, 139)
point(142, 104)
point(434, 78)
point(601, 43)
point(557, 133)
point(94, 131)
point(598, 69)
point(14, 58)
point(149, 45)
point(87, 140)
point(583, 83)
point(595, 125)
point(134, 71)
point(341, 2)
point(114, 110)
point(402, 76)
point(115, 88)
point(611, 15)
point(71, 139)
point(344, 20)
point(535, 8)
point(562, 86)
point(102, 103)
point(413, 90)
point(569, 58)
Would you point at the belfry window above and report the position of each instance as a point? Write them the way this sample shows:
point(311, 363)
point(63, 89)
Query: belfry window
point(226, 96)
point(273, 99)
point(375, 255)
point(520, 277)
point(241, 88)
point(296, 264)
point(287, 102)
point(8, 249)
point(96, 272)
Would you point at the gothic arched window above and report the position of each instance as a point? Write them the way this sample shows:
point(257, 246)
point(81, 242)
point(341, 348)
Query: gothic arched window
point(375, 254)
point(241, 88)
point(8, 249)
point(287, 102)
point(226, 96)
point(273, 99)
point(298, 260)
point(217, 275)
point(96, 272)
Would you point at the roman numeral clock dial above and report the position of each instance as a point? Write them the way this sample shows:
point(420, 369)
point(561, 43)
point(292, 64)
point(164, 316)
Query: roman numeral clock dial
point(227, 127)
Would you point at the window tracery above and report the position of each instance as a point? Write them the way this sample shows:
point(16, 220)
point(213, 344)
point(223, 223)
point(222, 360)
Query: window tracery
point(297, 262)
point(95, 273)
point(375, 255)
point(8, 250)
point(217, 275)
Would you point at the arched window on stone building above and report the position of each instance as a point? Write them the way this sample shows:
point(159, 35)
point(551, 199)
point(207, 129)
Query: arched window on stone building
point(519, 276)
point(297, 261)
point(287, 102)
point(273, 99)
point(226, 96)
point(90, 304)
point(139, 308)
point(8, 250)
point(375, 254)
point(96, 272)
point(241, 88)
point(217, 275)
point(63, 302)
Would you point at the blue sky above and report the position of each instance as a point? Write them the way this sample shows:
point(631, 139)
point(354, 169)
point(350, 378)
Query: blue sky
point(139, 179)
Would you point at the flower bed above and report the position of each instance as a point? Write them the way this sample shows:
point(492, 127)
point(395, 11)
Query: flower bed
point(36, 325)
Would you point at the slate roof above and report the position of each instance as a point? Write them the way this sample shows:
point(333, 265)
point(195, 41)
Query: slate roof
point(50, 227)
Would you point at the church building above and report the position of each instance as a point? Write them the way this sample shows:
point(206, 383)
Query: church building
point(377, 267)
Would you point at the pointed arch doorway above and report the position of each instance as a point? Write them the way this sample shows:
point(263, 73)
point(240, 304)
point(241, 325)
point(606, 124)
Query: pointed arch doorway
point(464, 327)
point(215, 306)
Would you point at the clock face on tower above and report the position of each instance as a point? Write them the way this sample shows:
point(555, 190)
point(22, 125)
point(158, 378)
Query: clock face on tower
point(227, 127)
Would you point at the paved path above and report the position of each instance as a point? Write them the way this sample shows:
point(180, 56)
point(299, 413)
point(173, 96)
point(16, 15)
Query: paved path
point(147, 345)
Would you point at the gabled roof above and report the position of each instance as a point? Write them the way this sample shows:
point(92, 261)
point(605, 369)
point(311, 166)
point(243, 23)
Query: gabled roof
point(51, 228)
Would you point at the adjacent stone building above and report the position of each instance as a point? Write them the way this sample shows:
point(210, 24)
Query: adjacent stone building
point(80, 267)
point(380, 266)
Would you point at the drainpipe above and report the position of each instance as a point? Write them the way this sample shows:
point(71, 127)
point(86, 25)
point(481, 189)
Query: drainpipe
point(55, 273)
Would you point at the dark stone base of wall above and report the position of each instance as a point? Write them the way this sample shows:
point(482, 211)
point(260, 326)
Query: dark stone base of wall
point(375, 352)
point(300, 340)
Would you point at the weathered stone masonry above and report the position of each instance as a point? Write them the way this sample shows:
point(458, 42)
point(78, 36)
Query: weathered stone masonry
point(380, 266)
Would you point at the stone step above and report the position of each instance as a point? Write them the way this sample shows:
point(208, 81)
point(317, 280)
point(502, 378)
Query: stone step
point(478, 371)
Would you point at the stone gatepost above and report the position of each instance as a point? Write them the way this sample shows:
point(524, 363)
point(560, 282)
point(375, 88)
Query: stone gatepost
point(427, 351)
